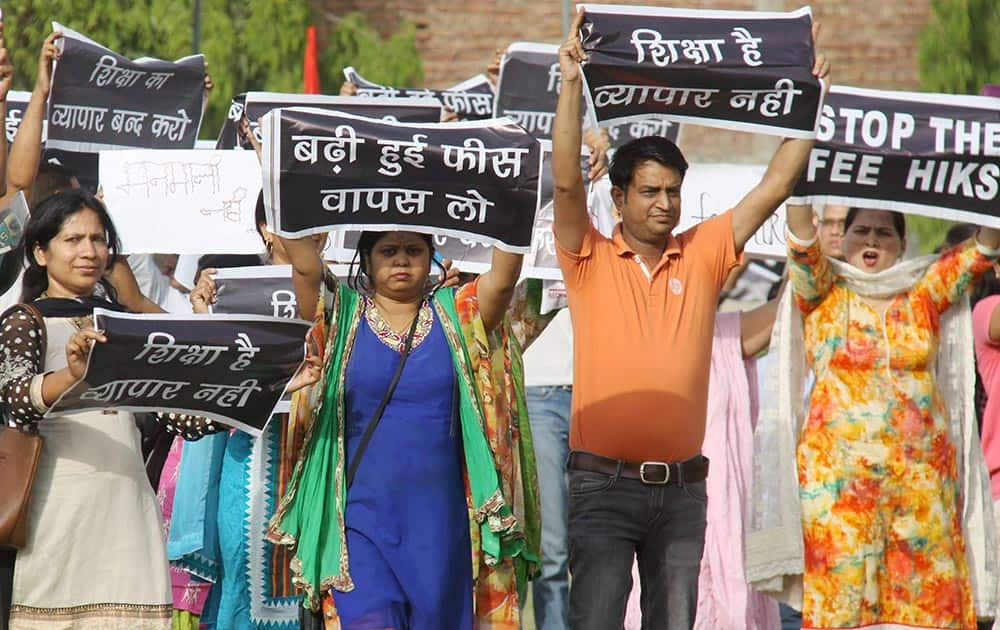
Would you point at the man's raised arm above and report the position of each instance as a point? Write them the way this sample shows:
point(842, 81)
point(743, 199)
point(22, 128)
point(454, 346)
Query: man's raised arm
point(570, 200)
point(782, 173)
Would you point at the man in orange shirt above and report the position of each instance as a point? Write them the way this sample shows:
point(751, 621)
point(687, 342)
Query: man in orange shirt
point(643, 305)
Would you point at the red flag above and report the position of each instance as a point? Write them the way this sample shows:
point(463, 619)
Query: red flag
point(310, 66)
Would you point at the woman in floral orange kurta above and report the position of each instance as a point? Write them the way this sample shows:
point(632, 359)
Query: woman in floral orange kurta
point(878, 478)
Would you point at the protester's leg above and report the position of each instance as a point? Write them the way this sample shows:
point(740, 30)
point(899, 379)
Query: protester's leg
point(670, 558)
point(548, 413)
point(607, 518)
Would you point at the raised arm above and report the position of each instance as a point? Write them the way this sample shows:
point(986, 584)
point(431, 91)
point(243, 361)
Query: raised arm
point(800, 222)
point(782, 173)
point(496, 287)
point(307, 273)
point(26, 152)
point(122, 278)
point(571, 221)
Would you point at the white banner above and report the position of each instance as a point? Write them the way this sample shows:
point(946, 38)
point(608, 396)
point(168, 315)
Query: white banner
point(711, 189)
point(183, 201)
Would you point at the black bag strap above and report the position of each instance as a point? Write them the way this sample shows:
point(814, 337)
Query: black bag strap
point(366, 438)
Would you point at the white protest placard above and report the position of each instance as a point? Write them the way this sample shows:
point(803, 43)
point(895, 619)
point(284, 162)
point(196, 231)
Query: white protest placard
point(193, 201)
point(711, 189)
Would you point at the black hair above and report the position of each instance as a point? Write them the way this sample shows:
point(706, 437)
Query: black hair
point(359, 277)
point(898, 220)
point(45, 223)
point(958, 233)
point(631, 155)
point(51, 179)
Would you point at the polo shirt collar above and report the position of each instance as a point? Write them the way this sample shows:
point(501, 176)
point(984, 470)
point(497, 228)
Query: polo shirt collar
point(622, 248)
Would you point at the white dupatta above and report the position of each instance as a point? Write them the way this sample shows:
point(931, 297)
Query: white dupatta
point(774, 541)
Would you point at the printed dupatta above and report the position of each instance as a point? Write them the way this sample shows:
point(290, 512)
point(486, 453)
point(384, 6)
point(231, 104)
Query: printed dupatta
point(501, 483)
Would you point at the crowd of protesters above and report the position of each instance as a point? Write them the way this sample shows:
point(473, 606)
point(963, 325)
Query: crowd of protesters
point(449, 449)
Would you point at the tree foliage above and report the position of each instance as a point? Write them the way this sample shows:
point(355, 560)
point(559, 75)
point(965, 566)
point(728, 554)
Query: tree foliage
point(389, 61)
point(959, 53)
point(255, 45)
point(960, 46)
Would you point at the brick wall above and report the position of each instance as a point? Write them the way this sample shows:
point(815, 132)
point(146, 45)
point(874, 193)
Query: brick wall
point(870, 44)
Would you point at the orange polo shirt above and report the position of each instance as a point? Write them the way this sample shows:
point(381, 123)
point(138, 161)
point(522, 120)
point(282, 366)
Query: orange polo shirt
point(642, 343)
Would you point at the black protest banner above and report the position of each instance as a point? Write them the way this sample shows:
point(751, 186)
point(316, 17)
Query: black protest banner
point(327, 171)
point(228, 136)
point(17, 102)
point(528, 87)
point(472, 256)
point(749, 71)
point(407, 110)
point(471, 99)
point(623, 133)
point(528, 92)
point(261, 290)
point(230, 368)
point(102, 100)
point(932, 154)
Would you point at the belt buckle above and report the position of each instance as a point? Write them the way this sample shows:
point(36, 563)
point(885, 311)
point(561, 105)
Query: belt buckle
point(655, 482)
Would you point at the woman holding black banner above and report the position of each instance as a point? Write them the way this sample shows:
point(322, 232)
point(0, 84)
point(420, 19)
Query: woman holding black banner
point(252, 477)
point(889, 488)
point(94, 556)
point(422, 399)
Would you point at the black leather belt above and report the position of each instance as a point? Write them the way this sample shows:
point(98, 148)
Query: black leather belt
point(654, 473)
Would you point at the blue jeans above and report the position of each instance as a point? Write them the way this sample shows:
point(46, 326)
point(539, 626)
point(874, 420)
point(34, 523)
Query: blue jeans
point(791, 619)
point(548, 414)
point(613, 520)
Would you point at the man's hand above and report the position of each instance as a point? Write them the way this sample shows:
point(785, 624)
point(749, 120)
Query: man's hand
point(50, 52)
point(821, 66)
point(571, 53)
point(203, 293)
point(599, 143)
point(493, 69)
point(348, 88)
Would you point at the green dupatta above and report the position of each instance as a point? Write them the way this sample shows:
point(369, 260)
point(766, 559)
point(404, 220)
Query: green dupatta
point(310, 517)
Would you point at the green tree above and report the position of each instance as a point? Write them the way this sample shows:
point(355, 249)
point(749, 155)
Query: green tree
point(389, 61)
point(960, 46)
point(255, 45)
point(926, 233)
point(959, 53)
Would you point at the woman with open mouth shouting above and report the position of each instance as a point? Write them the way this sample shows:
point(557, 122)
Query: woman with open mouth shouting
point(889, 487)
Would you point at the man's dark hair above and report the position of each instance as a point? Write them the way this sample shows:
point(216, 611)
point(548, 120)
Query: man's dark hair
point(631, 155)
